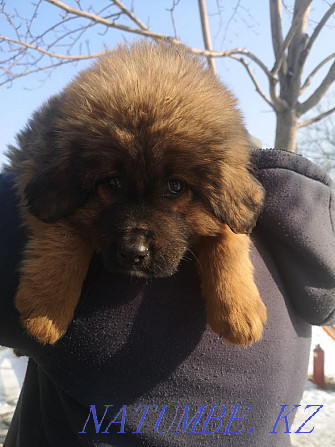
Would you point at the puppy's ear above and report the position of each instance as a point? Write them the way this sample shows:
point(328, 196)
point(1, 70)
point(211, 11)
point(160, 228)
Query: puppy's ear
point(53, 193)
point(240, 202)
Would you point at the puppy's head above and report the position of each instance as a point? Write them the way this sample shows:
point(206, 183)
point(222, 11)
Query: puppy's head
point(155, 141)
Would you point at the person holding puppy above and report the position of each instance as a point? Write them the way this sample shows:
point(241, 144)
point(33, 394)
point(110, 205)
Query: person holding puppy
point(98, 286)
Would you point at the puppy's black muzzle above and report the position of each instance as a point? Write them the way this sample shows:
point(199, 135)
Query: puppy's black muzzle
point(133, 249)
point(141, 240)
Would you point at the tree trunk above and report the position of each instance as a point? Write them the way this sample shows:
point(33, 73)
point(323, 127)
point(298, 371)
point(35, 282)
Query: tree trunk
point(286, 131)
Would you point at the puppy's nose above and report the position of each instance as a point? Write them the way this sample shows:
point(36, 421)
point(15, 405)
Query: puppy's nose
point(134, 251)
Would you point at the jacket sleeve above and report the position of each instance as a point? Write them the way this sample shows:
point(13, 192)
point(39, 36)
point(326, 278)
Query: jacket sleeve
point(297, 224)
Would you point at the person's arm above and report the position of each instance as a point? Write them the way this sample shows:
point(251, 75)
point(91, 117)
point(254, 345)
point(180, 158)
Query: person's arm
point(298, 224)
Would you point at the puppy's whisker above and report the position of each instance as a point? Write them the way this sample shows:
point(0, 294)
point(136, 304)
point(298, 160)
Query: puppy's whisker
point(195, 257)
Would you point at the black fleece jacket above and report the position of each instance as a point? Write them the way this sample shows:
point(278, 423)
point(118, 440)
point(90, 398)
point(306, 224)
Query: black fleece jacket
point(138, 367)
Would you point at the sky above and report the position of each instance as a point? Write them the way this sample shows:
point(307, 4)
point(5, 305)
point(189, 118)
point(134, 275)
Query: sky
point(248, 28)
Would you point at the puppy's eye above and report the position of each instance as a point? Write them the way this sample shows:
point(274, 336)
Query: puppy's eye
point(114, 184)
point(174, 188)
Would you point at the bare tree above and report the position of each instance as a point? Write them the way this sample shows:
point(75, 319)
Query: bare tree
point(291, 54)
point(28, 51)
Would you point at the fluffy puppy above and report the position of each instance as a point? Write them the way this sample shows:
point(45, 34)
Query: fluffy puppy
point(142, 157)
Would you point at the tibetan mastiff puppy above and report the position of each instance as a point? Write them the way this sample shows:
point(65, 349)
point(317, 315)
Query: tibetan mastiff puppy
point(142, 157)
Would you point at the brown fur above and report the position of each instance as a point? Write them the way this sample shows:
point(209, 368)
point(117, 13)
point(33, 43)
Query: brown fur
point(146, 114)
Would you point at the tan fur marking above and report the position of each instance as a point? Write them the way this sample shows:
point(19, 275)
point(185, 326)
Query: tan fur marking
point(51, 278)
point(234, 308)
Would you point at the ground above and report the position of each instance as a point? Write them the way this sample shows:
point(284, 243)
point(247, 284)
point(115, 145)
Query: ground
point(323, 422)
point(12, 370)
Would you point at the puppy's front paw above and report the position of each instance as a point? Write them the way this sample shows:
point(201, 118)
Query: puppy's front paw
point(43, 329)
point(44, 319)
point(241, 322)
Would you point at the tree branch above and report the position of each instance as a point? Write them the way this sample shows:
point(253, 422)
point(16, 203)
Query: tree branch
point(318, 93)
point(111, 23)
point(316, 69)
point(296, 23)
point(35, 70)
point(254, 80)
point(277, 34)
point(276, 28)
point(316, 118)
point(50, 53)
point(173, 21)
point(131, 15)
point(315, 34)
point(206, 33)
point(229, 53)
